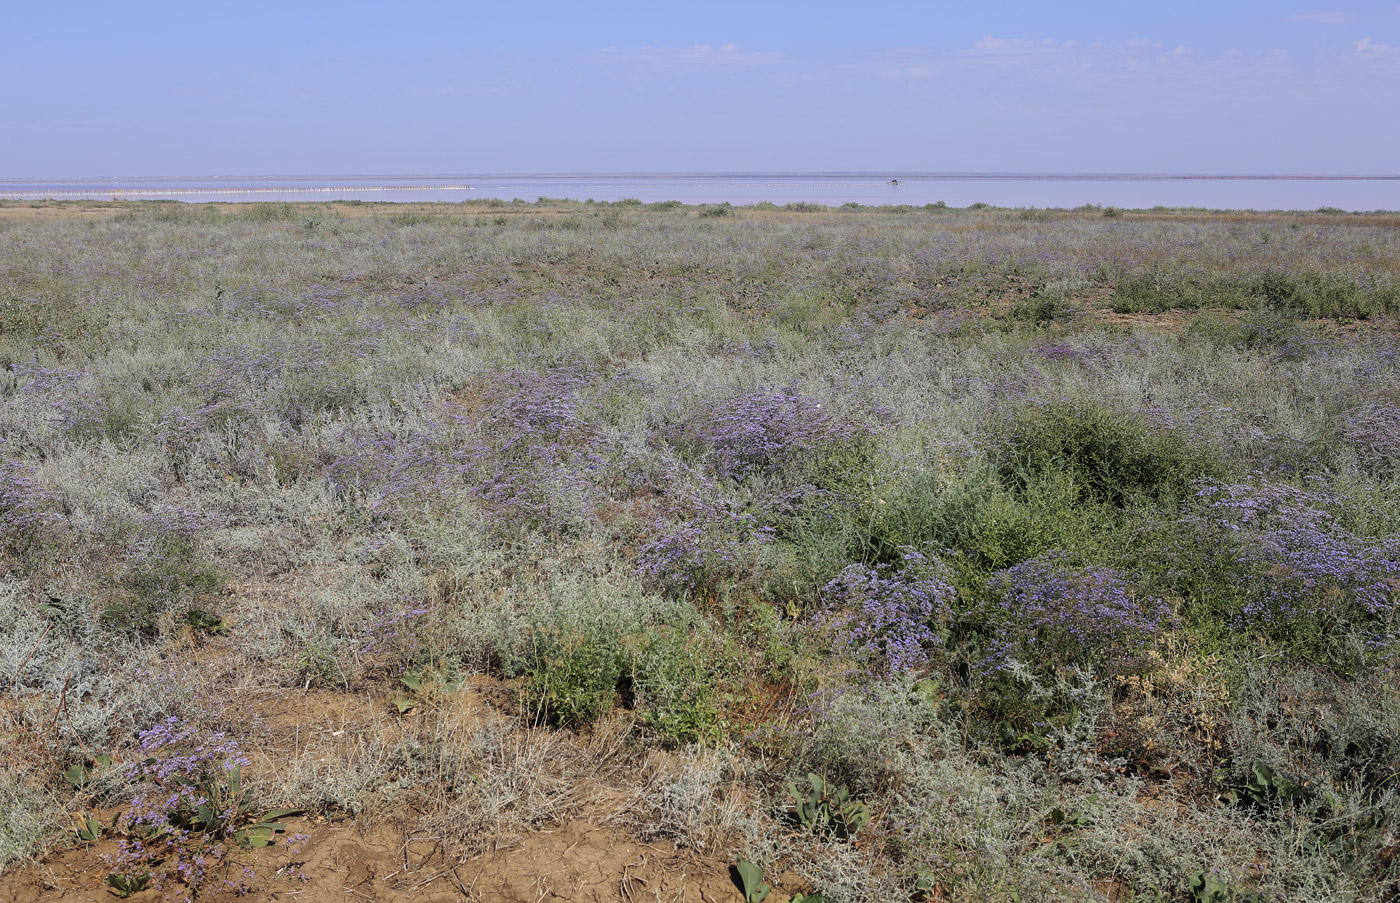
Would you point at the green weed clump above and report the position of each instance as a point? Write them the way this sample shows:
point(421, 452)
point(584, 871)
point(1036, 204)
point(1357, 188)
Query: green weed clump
point(1111, 457)
point(1306, 294)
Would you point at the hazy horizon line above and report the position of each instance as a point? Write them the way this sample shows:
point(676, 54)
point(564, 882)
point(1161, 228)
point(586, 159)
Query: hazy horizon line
point(751, 174)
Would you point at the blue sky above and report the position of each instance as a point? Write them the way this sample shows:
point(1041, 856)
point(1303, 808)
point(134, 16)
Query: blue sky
point(436, 87)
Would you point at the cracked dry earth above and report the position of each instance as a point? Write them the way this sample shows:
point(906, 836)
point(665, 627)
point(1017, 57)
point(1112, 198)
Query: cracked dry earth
point(578, 861)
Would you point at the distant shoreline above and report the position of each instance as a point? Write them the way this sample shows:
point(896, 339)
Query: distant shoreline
point(872, 174)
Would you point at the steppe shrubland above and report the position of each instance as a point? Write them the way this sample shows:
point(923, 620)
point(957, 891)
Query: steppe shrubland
point(1061, 549)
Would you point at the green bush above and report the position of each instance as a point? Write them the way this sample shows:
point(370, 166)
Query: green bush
point(172, 585)
point(573, 671)
point(1113, 457)
point(1042, 308)
point(1267, 329)
point(1310, 294)
point(674, 683)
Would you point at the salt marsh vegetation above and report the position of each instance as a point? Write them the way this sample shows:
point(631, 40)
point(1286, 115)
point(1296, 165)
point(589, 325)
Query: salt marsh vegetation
point(900, 553)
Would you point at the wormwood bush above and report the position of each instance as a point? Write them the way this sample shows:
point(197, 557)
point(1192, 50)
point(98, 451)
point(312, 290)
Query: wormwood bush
point(26, 819)
point(1320, 758)
point(1114, 457)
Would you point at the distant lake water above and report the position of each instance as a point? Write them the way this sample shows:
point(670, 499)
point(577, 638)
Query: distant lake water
point(956, 190)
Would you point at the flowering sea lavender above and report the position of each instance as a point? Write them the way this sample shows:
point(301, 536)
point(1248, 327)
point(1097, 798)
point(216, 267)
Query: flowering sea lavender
point(191, 812)
point(1294, 561)
point(887, 618)
point(1049, 610)
point(704, 541)
point(765, 431)
point(177, 830)
point(26, 507)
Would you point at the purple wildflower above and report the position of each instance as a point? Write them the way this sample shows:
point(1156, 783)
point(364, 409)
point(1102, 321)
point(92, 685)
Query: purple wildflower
point(1047, 609)
point(886, 617)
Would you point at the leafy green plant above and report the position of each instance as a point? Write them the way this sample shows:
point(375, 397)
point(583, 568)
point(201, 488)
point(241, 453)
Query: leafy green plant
point(80, 773)
point(573, 673)
point(1078, 817)
point(90, 828)
point(822, 808)
point(1265, 787)
point(1207, 887)
point(675, 685)
point(1112, 456)
point(126, 885)
point(411, 696)
point(748, 877)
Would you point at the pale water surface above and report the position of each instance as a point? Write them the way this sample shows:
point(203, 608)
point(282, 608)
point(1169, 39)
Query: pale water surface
point(832, 189)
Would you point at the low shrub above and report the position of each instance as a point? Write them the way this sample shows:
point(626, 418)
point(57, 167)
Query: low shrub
point(574, 670)
point(27, 819)
point(888, 619)
point(1319, 757)
point(675, 683)
point(1310, 294)
point(1113, 457)
point(1300, 577)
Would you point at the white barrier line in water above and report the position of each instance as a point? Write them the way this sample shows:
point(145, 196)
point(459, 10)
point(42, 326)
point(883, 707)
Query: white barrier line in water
point(101, 193)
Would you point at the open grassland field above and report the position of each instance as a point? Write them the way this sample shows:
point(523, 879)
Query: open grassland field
point(512, 552)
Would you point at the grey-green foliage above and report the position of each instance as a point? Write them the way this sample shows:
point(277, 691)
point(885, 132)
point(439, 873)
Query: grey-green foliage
point(29, 817)
point(112, 688)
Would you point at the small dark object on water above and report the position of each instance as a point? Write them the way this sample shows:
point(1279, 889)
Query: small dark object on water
point(894, 182)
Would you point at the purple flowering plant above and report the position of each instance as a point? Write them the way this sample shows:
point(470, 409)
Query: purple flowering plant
point(1050, 610)
point(765, 431)
point(191, 813)
point(888, 618)
point(1297, 569)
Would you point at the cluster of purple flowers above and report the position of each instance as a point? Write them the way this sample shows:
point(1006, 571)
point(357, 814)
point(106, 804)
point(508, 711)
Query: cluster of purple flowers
point(1293, 560)
point(886, 617)
point(25, 505)
point(541, 464)
point(1049, 610)
point(765, 431)
point(162, 839)
point(702, 541)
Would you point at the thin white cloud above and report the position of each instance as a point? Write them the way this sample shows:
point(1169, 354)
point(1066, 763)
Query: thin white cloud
point(991, 44)
point(1327, 16)
point(1046, 57)
point(677, 58)
point(1368, 47)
